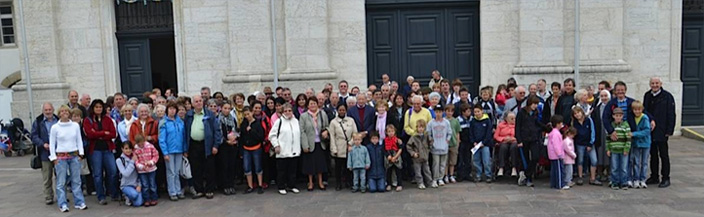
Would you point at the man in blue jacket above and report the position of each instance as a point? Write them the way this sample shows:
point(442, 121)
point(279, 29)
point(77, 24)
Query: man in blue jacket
point(203, 138)
point(661, 105)
point(40, 138)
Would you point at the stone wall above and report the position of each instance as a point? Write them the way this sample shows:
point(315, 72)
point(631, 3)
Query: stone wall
point(71, 45)
point(622, 40)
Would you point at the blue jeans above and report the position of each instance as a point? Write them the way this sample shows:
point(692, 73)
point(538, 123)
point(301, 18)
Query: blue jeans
point(567, 170)
point(360, 175)
point(173, 168)
point(640, 163)
point(619, 163)
point(148, 181)
point(581, 151)
point(377, 185)
point(482, 157)
point(62, 169)
point(104, 160)
point(133, 195)
point(248, 156)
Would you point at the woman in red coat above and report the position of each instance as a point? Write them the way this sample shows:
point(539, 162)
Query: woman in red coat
point(100, 131)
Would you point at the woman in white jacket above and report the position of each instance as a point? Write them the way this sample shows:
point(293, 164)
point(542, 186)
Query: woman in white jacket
point(285, 137)
point(341, 129)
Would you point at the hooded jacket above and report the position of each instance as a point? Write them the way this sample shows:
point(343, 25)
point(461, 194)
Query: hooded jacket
point(481, 130)
point(171, 136)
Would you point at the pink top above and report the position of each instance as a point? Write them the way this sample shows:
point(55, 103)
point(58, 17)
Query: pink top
point(147, 156)
point(569, 151)
point(555, 148)
point(273, 118)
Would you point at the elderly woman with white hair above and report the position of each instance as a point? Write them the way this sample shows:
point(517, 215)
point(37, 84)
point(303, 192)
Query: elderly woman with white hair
point(434, 98)
point(159, 112)
point(602, 162)
point(582, 100)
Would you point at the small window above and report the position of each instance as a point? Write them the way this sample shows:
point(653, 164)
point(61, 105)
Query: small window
point(7, 30)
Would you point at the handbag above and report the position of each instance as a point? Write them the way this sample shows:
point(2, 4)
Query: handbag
point(84, 167)
point(185, 169)
point(36, 161)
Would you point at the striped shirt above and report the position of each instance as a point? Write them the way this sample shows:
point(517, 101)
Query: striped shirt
point(623, 143)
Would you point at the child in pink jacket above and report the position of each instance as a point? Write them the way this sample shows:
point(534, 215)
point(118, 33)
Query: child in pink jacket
point(570, 156)
point(556, 152)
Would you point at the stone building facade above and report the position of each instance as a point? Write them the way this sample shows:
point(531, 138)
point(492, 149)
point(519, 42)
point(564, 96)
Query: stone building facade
point(227, 44)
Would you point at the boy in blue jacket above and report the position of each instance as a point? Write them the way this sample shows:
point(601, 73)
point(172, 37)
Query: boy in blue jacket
point(640, 148)
point(377, 171)
point(358, 162)
point(481, 137)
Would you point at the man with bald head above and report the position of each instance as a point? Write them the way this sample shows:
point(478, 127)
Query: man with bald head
point(40, 138)
point(85, 100)
point(514, 104)
point(660, 104)
point(203, 138)
point(73, 102)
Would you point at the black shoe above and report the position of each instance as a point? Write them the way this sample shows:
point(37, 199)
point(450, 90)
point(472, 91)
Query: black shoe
point(354, 190)
point(652, 180)
point(249, 190)
point(260, 190)
point(49, 201)
point(664, 184)
point(233, 191)
point(226, 191)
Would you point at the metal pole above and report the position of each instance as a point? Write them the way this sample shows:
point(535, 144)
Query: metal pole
point(28, 75)
point(576, 43)
point(274, 55)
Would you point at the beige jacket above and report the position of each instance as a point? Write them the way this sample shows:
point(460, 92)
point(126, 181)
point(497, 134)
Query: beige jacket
point(341, 139)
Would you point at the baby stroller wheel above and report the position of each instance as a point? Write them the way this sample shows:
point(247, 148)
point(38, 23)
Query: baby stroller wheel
point(20, 153)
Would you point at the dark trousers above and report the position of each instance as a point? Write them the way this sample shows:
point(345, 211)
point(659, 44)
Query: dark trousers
point(269, 165)
point(506, 149)
point(389, 172)
point(531, 151)
point(341, 171)
point(202, 168)
point(659, 154)
point(556, 174)
point(226, 166)
point(464, 161)
point(286, 170)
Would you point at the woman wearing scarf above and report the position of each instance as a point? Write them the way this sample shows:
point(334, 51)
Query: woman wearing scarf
point(314, 126)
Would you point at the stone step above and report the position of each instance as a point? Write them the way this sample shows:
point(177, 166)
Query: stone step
point(694, 132)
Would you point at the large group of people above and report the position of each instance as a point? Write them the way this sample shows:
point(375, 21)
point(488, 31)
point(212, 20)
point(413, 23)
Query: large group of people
point(133, 149)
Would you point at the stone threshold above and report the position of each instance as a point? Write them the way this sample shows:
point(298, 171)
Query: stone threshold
point(288, 75)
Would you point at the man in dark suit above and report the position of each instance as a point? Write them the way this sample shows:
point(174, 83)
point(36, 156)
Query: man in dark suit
point(363, 116)
point(661, 105)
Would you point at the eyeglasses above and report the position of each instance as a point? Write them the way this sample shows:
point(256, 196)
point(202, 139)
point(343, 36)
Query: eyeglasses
point(288, 110)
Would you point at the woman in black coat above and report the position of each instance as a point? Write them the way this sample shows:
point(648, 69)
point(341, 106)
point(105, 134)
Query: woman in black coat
point(529, 131)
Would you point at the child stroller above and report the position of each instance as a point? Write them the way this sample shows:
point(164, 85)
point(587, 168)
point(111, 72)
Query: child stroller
point(18, 137)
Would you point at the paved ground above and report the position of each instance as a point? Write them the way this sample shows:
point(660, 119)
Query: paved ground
point(21, 195)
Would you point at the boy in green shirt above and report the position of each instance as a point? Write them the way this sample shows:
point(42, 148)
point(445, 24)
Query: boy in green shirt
point(618, 150)
point(453, 145)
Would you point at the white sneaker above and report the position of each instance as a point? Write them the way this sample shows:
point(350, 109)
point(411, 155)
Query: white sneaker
point(446, 180)
point(295, 190)
point(513, 172)
point(643, 185)
point(282, 192)
point(63, 208)
point(636, 184)
point(566, 187)
point(421, 186)
point(630, 184)
point(434, 184)
point(441, 183)
point(81, 207)
point(452, 179)
point(521, 178)
point(500, 173)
